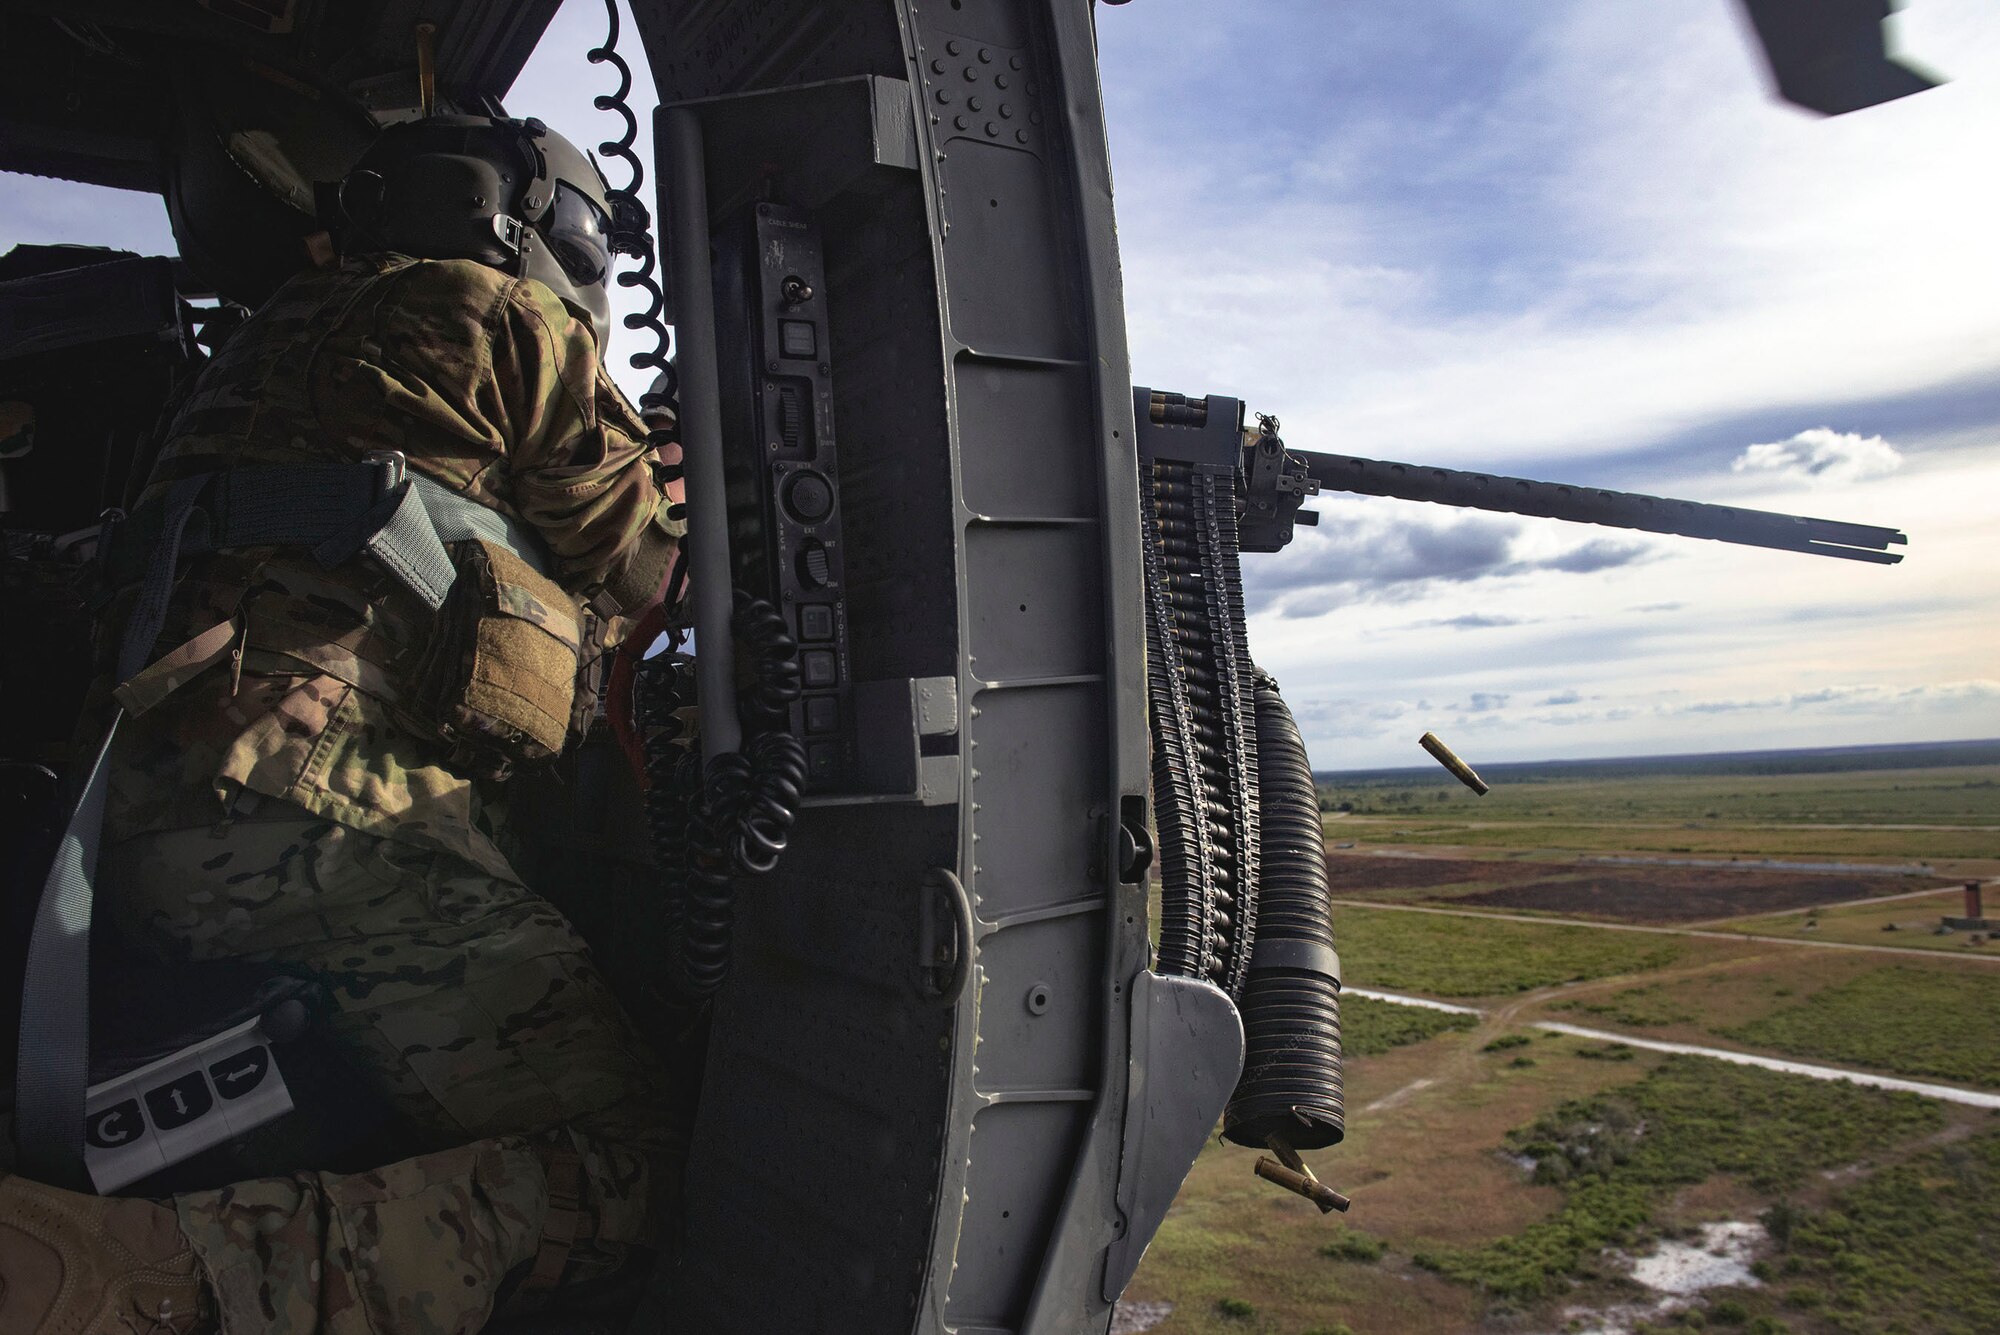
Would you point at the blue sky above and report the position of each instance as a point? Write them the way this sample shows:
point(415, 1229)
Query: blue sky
point(1570, 240)
point(1581, 241)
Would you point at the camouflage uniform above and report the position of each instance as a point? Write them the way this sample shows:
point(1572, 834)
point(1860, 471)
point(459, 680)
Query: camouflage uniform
point(274, 807)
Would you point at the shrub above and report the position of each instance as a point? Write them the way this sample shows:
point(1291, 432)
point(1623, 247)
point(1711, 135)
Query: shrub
point(1608, 1052)
point(1468, 957)
point(1618, 1155)
point(1779, 1221)
point(1505, 1041)
point(1235, 1307)
point(1348, 1245)
point(1368, 1027)
point(1914, 1021)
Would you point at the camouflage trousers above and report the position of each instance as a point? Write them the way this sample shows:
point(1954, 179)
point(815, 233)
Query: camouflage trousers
point(475, 1007)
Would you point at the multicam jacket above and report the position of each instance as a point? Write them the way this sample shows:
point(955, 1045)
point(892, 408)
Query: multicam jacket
point(487, 384)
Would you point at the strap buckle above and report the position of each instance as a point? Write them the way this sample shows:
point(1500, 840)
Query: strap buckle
point(392, 466)
point(508, 230)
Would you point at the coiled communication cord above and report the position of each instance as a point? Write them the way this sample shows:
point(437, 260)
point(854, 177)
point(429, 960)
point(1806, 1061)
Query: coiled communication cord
point(632, 236)
point(735, 818)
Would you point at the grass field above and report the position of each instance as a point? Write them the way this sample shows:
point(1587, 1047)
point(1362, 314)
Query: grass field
point(1909, 923)
point(1465, 957)
point(1503, 1177)
point(1618, 1157)
point(1369, 1028)
point(1939, 848)
point(1911, 1020)
point(1956, 795)
point(1909, 1248)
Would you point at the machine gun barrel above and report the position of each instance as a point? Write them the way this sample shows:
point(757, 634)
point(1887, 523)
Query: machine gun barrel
point(1591, 505)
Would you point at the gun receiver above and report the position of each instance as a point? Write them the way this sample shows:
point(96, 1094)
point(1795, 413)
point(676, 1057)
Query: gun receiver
point(1277, 479)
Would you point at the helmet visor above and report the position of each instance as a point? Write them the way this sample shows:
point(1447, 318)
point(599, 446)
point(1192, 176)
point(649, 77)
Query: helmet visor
point(579, 235)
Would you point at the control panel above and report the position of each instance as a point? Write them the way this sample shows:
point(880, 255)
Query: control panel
point(784, 463)
point(180, 1105)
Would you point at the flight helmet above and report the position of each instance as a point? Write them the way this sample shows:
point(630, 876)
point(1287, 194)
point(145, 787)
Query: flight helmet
point(510, 193)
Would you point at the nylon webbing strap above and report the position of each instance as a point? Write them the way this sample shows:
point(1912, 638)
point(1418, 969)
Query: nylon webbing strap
point(459, 518)
point(52, 1070)
point(335, 511)
point(53, 1067)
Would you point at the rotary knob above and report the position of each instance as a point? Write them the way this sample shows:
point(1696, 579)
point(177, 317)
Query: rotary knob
point(815, 565)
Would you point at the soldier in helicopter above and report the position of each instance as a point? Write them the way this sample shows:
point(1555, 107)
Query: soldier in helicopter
point(306, 776)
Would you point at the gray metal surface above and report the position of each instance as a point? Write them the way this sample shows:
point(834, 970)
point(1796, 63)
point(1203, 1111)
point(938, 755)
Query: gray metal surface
point(1187, 1052)
point(685, 221)
point(906, 1160)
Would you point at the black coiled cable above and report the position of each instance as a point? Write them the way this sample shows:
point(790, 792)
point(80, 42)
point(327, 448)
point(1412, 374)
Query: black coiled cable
point(734, 818)
point(632, 235)
point(631, 223)
point(662, 687)
point(1291, 1083)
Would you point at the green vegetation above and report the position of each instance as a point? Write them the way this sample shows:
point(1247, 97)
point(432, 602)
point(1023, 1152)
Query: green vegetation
point(1964, 794)
point(1639, 1007)
point(1906, 924)
point(1471, 957)
point(1349, 1245)
point(1700, 839)
point(1607, 1052)
point(1883, 1221)
point(1910, 1248)
point(1368, 1027)
point(1911, 1020)
point(1618, 1156)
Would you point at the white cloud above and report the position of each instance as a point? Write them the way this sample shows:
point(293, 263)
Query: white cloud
point(1821, 454)
point(1623, 240)
point(1857, 698)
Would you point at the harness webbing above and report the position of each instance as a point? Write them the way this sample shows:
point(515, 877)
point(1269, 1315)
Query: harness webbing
point(336, 511)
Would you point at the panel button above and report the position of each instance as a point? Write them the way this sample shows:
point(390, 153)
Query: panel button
point(822, 714)
point(796, 338)
point(820, 668)
point(179, 1101)
point(816, 621)
point(120, 1124)
point(809, 498)
point(240, 1072)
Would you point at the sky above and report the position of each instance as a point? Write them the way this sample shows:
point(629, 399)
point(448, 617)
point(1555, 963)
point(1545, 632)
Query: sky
point(1572, 241)
point(1583, 242)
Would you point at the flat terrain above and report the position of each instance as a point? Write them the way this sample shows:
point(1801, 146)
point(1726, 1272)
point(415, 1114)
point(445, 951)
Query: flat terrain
point(1663, 893)
point(1507, 1178)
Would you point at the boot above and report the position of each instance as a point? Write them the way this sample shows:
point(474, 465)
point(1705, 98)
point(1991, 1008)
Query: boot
point(72, 1264)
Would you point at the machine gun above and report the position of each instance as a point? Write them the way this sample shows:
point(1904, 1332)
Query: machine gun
point(1244, 901)
point(1275, 480)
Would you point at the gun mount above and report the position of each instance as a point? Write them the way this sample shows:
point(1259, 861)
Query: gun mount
point(1276, 479)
